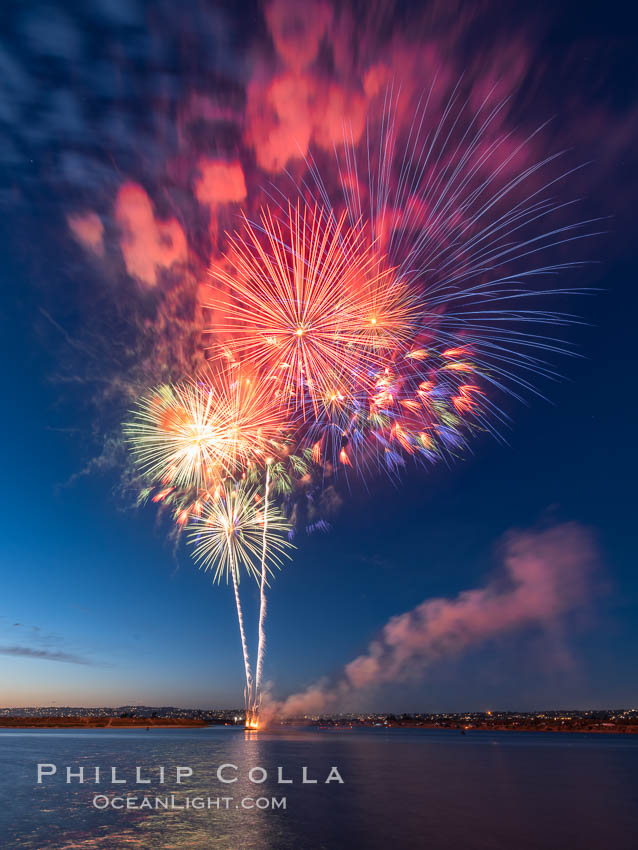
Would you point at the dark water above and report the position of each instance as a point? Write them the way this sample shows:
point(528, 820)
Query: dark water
point(402, 789)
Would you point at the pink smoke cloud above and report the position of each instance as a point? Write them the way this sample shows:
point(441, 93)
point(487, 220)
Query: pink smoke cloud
point(285, 114)
point(88, 230)
point(297, 29)
point(279, 120)
point(219, 182)
point(546, 575)
point(298, 101)
point(148, 244)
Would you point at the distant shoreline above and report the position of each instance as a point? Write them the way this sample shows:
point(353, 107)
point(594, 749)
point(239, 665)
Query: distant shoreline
point(607, 730)
point(99, 722)
point(193, 723)
point(611, 729)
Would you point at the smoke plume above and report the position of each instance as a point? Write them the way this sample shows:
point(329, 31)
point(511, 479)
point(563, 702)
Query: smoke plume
point(545, 576)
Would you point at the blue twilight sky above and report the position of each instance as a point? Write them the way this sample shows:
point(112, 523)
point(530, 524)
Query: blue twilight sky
point(97, 608)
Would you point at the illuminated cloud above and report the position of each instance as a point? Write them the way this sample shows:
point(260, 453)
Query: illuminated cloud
point(287, 113)
point(219, 182)
point(297, 29)
point(88, 229)
point(148, 244)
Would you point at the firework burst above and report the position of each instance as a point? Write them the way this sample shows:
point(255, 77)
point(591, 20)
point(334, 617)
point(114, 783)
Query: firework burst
point(311, 303)
point(190, 436)
point(468, 220)
point(235, 531)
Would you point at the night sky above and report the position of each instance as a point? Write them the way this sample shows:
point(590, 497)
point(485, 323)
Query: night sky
point(97, 605)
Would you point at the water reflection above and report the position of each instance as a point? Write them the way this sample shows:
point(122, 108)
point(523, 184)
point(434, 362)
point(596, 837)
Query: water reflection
point(402, 789)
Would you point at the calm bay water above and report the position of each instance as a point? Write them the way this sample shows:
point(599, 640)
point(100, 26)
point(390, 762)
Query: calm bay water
point(402, 789)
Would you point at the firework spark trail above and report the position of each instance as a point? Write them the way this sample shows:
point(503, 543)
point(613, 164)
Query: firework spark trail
point(232, 534)
point(248, 693)
point(261, 647)
point(228, 534)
